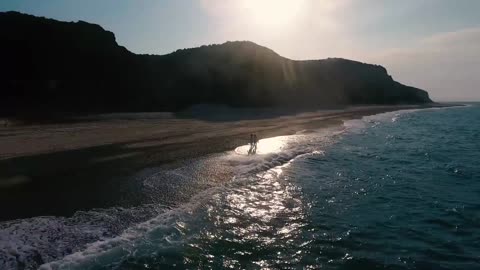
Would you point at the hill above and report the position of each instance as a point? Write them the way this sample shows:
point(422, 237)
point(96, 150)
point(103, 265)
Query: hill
point(50, 66)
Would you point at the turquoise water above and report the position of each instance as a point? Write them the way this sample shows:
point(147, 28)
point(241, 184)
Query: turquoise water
point(394, 191)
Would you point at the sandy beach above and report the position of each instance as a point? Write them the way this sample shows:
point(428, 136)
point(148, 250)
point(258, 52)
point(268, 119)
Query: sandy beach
point(143, 132)
point(56, 166)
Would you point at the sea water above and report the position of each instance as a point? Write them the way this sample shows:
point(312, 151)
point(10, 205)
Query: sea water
point(399, 190)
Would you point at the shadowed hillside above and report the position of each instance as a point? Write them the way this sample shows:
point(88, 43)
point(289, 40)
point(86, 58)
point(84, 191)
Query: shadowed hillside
point(50, 67)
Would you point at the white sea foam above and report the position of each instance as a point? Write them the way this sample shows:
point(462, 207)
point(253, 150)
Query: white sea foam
point(37, 240)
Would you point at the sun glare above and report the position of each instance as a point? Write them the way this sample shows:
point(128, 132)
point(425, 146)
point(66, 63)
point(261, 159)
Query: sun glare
point(272, 14)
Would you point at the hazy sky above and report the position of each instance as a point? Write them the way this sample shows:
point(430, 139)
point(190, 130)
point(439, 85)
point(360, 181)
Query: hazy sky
point(431, 44)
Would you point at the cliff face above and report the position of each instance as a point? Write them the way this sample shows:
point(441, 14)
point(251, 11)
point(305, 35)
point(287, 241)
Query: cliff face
point(52, 66)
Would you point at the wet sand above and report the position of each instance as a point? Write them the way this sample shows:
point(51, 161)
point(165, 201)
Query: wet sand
point(58, 169)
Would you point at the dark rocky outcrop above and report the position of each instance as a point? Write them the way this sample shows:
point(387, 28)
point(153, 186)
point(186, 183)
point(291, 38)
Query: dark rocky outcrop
point(50, 66)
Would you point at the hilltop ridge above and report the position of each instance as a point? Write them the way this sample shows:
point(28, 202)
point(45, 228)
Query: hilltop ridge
point(51, 66)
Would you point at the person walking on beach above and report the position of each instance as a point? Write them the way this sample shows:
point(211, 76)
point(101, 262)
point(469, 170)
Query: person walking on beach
point(253, 144)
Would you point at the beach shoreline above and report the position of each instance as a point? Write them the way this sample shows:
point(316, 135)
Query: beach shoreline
point(64, 168)
point(161, 129)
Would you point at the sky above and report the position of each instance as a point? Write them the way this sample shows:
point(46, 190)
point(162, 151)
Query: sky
point(430, 44)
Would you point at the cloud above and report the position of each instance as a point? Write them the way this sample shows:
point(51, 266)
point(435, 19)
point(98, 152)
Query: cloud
point(445, 64)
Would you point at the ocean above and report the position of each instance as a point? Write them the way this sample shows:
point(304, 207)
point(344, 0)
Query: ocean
point(398, 190)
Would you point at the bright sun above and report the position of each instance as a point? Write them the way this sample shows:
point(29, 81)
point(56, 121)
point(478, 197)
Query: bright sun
point(271, 14)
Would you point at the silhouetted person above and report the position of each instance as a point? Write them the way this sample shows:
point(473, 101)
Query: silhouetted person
point(253, 144)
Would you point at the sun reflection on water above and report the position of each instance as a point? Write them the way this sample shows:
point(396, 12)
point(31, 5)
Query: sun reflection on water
point(266, 214)
point(267, 146)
